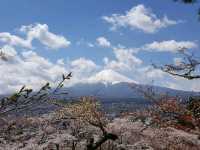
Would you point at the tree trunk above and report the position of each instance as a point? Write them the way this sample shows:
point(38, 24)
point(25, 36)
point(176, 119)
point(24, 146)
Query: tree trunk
point(107, 136)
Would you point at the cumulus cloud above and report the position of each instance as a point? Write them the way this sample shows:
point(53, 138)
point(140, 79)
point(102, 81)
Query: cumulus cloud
point(126, 56)
point(169, 46)
point(38, 32)
point(127, 64)
point(115, 65)
point(9, 51)
point(29, 68)
point(61, 61)
point(139, 17)
point(41, 32)
point(125, 60)
point(83, 66)
point(14, 40)
point(150, 73)
point(102, 41)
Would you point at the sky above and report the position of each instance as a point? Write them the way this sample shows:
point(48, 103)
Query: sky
point(99, 41)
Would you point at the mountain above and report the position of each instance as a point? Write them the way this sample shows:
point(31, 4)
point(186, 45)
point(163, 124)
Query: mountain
point(120, 90)
point(109, 76)
point(109, 84)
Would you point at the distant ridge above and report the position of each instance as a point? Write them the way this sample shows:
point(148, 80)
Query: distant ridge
point(120, 90)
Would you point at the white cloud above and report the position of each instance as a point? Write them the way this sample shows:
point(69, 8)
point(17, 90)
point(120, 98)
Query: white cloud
point(61, 61)
point(83, 65)
point(125, 60)
point(151, 73)
point(14, 40)
point(169, 46)
point(90, 44)
point(35, 32)
point(28, 68)
point(82, 69)
point(139, 17)
point(9, 51)
point(41, 32)
point(126, 56)
point(128, 65)
point(116, 65)
point(182, 84)
point(102, 41)
point(84, 42)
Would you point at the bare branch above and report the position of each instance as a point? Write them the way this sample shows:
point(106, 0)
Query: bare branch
point(87, 110)
point(188, 68)
point(25, 97)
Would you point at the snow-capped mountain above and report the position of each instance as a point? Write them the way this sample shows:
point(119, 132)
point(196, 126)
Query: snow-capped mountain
point(109, 84)
point(109, 76)
point(120, 90)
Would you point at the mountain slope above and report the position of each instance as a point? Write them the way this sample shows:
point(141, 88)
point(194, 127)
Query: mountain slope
point(120, 90)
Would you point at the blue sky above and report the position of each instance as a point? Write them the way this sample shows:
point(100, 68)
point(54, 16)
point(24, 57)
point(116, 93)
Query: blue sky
point(83, 25)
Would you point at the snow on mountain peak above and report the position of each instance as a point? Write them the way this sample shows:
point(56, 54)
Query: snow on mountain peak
point(109, 76)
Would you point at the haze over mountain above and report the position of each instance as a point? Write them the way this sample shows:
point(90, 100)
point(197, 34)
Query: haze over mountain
point(109, 84)
point(120, 90)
